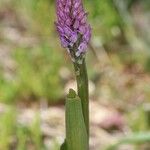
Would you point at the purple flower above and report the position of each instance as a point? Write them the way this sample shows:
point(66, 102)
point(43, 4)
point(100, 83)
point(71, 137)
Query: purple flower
point(81, 49)
point(72, 25)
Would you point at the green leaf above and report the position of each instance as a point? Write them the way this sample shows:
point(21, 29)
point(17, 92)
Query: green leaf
point(63, 146)
point(76, 134)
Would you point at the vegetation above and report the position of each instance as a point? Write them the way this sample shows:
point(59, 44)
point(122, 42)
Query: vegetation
point(34, 74)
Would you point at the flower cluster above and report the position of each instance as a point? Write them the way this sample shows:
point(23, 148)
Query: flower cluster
point(72, 25)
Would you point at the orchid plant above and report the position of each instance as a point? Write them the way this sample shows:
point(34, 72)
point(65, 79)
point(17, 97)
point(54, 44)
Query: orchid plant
point(75, 34)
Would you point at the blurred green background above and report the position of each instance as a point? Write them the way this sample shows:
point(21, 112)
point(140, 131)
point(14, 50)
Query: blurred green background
point(36, 73)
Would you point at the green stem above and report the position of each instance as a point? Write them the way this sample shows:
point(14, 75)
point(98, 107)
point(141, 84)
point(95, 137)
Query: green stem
point(82, 86)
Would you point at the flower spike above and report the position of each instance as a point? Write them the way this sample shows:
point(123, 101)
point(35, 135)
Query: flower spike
point(72, 26)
